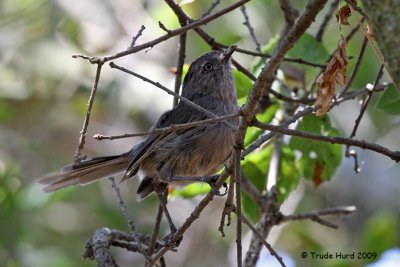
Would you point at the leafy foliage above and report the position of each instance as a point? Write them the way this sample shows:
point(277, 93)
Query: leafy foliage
point(389, 102)
point(318, 160)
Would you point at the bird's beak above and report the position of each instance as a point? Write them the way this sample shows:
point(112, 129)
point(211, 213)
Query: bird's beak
point(227, 53)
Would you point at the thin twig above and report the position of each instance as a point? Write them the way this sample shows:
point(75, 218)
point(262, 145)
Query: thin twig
point(269, 216)
point(326, 20)
point(349, 36)
point(122, 205)
point(156, 229)
point(179, 66)
point(211, 8)
point(394, 155)
point(181, 53)
point(350, 152)
point(336, 211)
point(251, 31)
point(157, 84)
point(308, 110)
point(285, 59)
point(171, 128)
point(216, 45)
point(366, 102)
point(356, 66)
point(162, 26)
point(370, 38)
point(237, 177)
point(263, 241)
point(170, 34)
point(265, 100)
point(290, 14)
point(136, 37)
point(128, 216)
point(83, 132)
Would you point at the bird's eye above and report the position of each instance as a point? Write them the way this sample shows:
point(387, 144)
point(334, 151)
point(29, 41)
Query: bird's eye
point(208, 67)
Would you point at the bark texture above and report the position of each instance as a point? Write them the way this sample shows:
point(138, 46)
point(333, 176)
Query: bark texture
point(385, 19)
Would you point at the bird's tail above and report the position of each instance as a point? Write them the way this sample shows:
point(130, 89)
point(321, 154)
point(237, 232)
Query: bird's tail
point(88, 171)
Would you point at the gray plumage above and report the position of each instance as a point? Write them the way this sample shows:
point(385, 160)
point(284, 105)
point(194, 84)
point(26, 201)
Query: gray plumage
point(196, 151)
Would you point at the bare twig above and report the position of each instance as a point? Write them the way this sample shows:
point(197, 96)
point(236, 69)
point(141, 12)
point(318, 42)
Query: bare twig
point(128, 216)
point(157, 84)
point(366, 103)
point(136, 37)
point(369, 37)
point(313, 215)
point(266, 76)
point(156, 229)
point(268, 218)
point(326, 20)
point(251, 31)
point(308, 110)
point(211, 8)
point(285, 59)
point(181, 53)
point(237, 176)
point(122, 205)
point(83, 132)
point(171, 128)
point(263, 241)
point(170, 34)
point(394, 155)
point(216, 45)
point(348, 37)
point(290, 15)
point(162, 26)
point(350, 152)
point(356, 66)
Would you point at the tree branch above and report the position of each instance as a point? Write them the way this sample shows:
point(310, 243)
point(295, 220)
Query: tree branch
point(170, 34)
point(394, 155)
point(83, 132)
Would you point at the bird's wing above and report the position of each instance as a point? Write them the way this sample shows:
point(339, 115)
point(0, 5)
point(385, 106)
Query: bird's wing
point(182, 113)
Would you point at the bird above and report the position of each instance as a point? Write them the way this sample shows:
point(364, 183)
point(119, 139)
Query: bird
point(180, 156)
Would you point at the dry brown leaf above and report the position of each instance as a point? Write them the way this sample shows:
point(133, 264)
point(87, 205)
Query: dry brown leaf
point(343, 14)
point(335, 73)
point(318, 169)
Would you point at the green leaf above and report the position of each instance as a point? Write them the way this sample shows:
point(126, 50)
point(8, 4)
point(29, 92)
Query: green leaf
point(243, 83)
point(255, 168)
point(319, 160)
point(191, 190)
point(390, 101)
point(252, 132)
point(380, 233)
point(289, 175)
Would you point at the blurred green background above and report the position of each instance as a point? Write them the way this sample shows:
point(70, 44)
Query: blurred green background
point(43, 96)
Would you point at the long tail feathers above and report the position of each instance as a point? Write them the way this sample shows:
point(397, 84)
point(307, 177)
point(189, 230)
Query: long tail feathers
point(88, 171)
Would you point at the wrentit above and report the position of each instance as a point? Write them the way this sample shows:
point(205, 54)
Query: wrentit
point(176, 156)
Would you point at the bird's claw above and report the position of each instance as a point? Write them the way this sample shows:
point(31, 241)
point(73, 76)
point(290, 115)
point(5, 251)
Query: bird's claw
point(169, 240)
point(215, 189)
